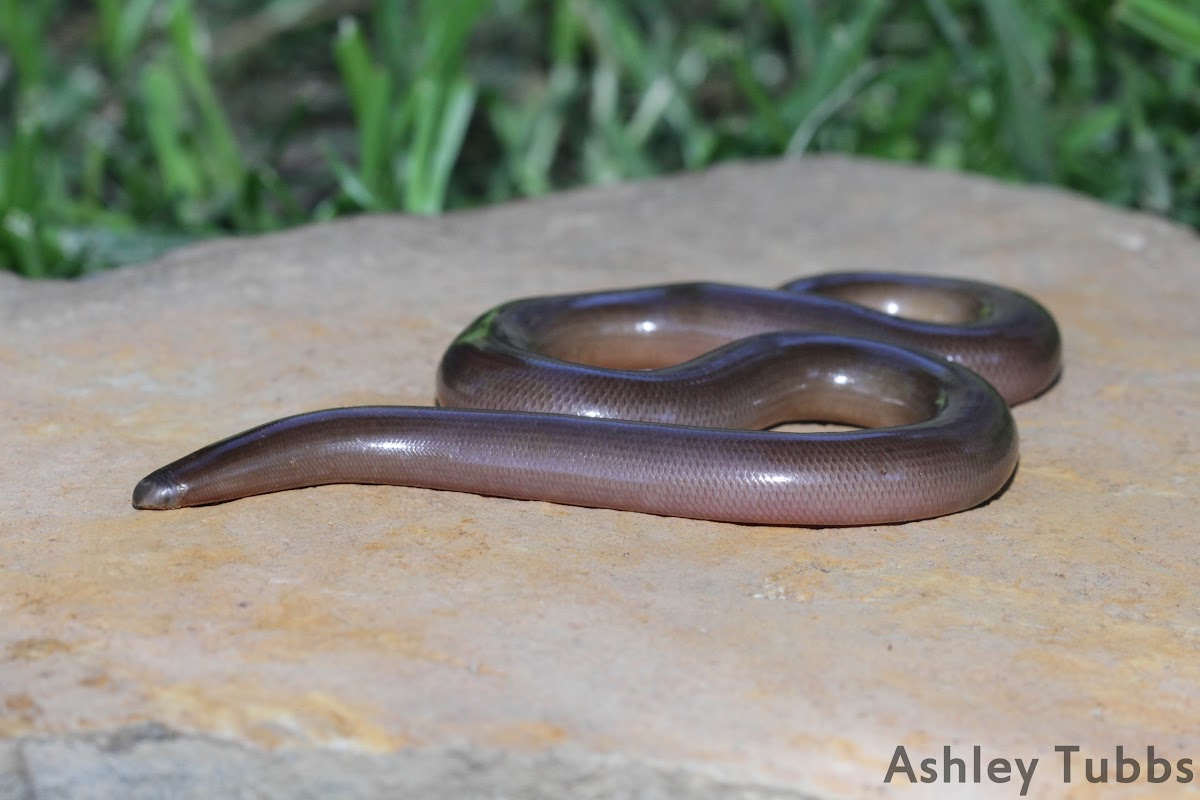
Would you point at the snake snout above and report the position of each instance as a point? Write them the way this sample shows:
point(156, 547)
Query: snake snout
point(158, 491)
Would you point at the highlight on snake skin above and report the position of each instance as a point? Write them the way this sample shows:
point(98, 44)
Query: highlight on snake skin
point(658, 400)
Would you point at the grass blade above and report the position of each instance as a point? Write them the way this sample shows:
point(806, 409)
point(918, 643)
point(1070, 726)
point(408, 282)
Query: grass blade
point(1175, 26)
point(1024, 76)
point(219, 142)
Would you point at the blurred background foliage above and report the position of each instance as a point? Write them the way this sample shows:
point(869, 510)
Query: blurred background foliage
point(130, 126)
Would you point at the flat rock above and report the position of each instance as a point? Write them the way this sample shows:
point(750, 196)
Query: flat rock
point(352, 641)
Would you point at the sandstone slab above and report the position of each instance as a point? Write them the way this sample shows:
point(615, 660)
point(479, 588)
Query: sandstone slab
point(380, 641)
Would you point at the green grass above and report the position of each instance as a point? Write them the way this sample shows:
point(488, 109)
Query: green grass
point(131, 126)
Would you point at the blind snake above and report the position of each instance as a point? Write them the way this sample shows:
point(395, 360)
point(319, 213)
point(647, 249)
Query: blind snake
point(656, 400)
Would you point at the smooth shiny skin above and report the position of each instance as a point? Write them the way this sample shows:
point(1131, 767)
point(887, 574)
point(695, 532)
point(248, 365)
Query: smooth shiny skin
point(655, 400)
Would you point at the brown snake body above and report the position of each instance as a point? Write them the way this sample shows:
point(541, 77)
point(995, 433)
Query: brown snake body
point(655, 400)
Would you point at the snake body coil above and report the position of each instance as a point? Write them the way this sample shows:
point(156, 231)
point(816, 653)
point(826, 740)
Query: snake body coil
point(655, 400)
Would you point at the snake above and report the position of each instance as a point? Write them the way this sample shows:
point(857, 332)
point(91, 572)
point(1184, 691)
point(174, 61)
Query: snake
point(662, 400)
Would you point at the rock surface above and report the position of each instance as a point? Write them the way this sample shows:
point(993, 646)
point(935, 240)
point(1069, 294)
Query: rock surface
point(354, 641)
